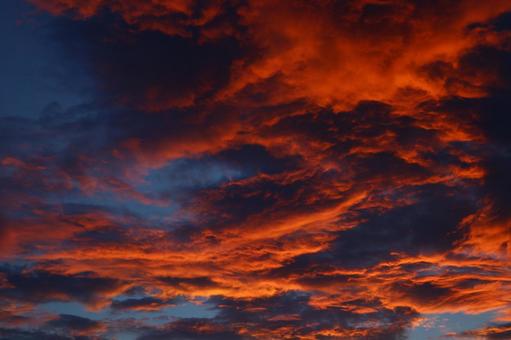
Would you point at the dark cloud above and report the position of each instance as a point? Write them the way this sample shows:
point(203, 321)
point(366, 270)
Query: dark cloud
point(423, 292)
point(272, 316)
point(193, 329)
point(254, 159)
point(68, 323)
point(106, 235)
point(429, 224)
point(497, 331)
point(145, 69)
point(145, 303)
point(188, 283)
point(42, 286)
point(503, 22)
point(9, 334)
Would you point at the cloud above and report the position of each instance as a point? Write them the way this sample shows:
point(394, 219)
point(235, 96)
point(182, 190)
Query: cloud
point(41, 286)
point(73, 324)
point(182, 18)
point(192, 329)
point(499, 331)
point(307, 170)
point(140, 69)
point(7, 333)
point(142, 304)
point(334, 53)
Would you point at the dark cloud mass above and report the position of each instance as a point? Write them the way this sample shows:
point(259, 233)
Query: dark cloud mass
point(242, 169)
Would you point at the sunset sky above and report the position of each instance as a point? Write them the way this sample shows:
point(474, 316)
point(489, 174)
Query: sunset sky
point(255, 169)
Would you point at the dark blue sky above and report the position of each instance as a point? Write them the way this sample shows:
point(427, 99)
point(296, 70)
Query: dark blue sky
point(34, 72)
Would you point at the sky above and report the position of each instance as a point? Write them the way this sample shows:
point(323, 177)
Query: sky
point(255, 169)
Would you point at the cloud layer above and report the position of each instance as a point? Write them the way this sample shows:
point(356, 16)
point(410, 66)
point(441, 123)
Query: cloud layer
point(293, 169)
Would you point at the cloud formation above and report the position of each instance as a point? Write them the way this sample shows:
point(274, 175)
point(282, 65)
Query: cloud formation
point(289, 169)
